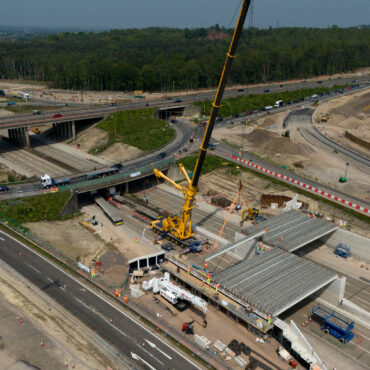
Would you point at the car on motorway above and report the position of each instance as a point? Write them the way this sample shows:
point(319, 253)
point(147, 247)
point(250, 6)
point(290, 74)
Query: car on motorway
point(11, 103)
point(112, 104)
point(266, 90)
point(56, 115)
point(269, 107)
point(3, 188)
point(327, 92)
point(36, 112)
point(219, 119)
point(178, 100)
point(36, 131)
point(240, 90)
point(211, 146)
point(314, 96)
point(168, 98)
point(319, 82)
point(119, 166)
point(161, 155)
point(250, 112)
point(353, 81)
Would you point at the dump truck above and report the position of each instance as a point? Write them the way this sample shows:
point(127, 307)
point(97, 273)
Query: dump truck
point(334, 324)
point(343, 251)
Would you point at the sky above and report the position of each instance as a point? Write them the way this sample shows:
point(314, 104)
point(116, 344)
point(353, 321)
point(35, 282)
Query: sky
point(118, 14)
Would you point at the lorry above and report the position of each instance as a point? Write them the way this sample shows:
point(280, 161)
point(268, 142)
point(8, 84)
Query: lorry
point(48, 182)
point(334, 324)
point(278, 103)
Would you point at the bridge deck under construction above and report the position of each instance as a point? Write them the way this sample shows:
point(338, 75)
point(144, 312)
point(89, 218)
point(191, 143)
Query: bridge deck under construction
point(274, 281)
point(292, 230)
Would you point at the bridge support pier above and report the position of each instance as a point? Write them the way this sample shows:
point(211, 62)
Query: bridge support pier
point(65, 129)
point(19, 136)
point(127, 188)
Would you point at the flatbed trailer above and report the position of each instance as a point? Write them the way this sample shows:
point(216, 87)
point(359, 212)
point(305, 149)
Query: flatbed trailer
point(334, 324)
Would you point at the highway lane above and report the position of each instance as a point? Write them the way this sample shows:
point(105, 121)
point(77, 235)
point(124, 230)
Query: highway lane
point(125, 334)
point(101, 111)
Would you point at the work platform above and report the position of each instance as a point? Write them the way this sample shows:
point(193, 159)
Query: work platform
point(274, 281)
point(291, 230)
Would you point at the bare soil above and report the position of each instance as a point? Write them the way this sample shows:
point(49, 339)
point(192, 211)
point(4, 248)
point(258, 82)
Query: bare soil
point(120, 152)
point(349, 113)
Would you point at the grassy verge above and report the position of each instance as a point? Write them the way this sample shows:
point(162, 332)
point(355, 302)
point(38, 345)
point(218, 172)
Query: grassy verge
point(29, 108)
point(44, 207)
point(136, 128)
point(210, 164)
point(246, 103)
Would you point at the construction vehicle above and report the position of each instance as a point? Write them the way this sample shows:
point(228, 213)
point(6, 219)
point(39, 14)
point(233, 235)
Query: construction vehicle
point(187, 327)
point(36, 131)
point(333, 324)
point(252, 214)
point(286, 134)
point(178, 228)
point(343, 251)
point(173, 293)
point(325, 117)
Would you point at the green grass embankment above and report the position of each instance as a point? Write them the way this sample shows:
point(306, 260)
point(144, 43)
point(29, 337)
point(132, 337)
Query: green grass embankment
point(45, 207)
point(250, 102)
point(136, 128)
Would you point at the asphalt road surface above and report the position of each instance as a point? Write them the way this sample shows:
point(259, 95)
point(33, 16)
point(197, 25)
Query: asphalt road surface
point(101, 111)
point(131, 339)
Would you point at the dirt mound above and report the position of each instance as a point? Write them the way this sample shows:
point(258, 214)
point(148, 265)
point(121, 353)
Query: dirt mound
point(352, 122)
point(120, 152)
point(91, 138)
point(353, 106)
point(272, 143)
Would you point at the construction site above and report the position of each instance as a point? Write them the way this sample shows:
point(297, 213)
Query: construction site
point(242, 271)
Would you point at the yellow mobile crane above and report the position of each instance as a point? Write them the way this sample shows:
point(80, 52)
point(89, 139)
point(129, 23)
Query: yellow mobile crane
point(178, 229)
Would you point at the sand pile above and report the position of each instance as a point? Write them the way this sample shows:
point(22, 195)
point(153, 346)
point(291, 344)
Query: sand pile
point(120, 152)
point(272, 143)
point(352, 123)
point(353, 105)
point(91, 138)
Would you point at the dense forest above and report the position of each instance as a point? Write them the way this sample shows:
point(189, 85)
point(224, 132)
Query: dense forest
point(163, 59)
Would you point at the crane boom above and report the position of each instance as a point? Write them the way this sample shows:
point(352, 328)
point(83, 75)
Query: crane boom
point(216, 105)
point(178, 228)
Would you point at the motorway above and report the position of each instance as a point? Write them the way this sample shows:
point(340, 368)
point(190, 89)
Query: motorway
point(125, 334)
point(102, 111)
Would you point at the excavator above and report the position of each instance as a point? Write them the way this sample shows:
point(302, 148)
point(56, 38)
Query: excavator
point(178, 228)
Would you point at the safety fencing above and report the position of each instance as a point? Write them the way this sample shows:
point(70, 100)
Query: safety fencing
point(300, 184)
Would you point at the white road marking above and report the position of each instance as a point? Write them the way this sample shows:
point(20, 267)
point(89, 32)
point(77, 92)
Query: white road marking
point(51, 280)
point(120, 331)
point(82, 303)
point(102, 298)
point(154, 346)
point(143, 349)
point(2, 239)
point(136, 357)
point(34, 268)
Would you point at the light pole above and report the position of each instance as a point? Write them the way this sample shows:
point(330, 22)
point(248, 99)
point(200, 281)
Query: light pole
point(345, 174)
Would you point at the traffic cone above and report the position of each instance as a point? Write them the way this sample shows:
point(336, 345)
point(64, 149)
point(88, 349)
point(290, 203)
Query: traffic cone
point(111, 321)
point(20, 321)
point(143, 345)
point(306, 322)
point(310, 319)
point(72, 365)
point(42, 344)
point(20, 254)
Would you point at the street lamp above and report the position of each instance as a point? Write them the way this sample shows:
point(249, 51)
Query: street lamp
point(345, 174)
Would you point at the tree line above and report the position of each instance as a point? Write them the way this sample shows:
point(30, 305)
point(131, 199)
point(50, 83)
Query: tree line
point(164, 59)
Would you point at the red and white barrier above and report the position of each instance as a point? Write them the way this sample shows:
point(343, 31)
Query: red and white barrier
point(300, 184)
